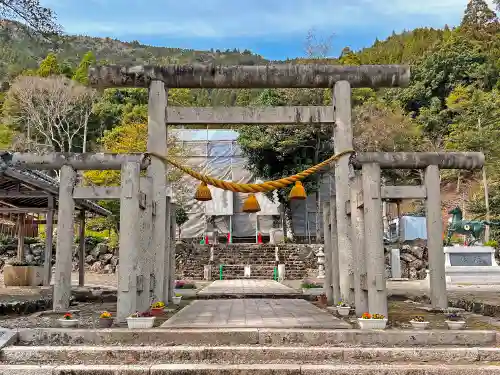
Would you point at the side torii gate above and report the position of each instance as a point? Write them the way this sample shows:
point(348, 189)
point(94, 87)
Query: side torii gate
point(147, 259)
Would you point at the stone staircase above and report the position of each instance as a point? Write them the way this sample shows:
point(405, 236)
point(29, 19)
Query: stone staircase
point(262, 260)
point(250, 351)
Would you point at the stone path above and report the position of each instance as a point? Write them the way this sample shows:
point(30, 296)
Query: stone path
point(254, 313)
point(246, 287)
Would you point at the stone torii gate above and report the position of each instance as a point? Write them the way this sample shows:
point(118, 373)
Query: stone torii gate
point(146, 257)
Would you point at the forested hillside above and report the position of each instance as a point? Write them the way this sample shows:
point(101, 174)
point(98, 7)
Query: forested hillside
point(452, 103)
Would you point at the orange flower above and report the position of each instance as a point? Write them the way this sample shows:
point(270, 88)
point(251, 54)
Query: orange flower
point(366, 316)
point(68, 316)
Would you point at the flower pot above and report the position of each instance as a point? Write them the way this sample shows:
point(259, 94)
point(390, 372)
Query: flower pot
point(67, 323)
point(105, 322)
point(419, 325)
point(176, 300)
point(455, 325)
point(140, 323)
point(372, 323)
point(157, 311)
point(344, 311)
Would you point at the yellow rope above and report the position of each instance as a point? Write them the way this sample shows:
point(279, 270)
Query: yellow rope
point(252, 188)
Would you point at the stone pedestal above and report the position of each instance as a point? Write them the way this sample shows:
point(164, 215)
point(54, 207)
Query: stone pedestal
point(207, 272)
point(281, 272)
point(395, 264)
point(247, 271)
point(321, 263)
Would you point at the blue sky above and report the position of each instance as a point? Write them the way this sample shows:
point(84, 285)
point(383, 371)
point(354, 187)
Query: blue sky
point(275, 29)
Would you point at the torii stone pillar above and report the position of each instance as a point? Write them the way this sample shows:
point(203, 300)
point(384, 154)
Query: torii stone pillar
point(374, 243)
point(439, 298)
point(81, 248)
point(64, 244)
point(342, 142)
point(129, 240)
point(166, 278)
point(358, 245)
point(145, 258)
point(172, 232)
point(327, 235)
point(334, 268)
point(157, 171)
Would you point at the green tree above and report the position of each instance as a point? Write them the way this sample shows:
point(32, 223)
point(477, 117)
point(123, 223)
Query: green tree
point(81, 73)
point(49, 66)
point(478, 14)
point(130, 138)
point(279, 151)
point(181, 217)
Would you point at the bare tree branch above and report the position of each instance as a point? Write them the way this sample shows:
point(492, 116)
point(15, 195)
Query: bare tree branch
point(40, 19)
point(54, 109)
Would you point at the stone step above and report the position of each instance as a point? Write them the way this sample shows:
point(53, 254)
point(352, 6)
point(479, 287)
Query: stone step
point(257, 336)
point(90, 355)
point(246, 369)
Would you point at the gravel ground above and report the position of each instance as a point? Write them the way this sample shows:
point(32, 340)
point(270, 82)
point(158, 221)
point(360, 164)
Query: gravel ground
point(87, 313)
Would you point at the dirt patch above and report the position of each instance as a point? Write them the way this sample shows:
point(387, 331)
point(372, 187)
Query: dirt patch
point(401, 312)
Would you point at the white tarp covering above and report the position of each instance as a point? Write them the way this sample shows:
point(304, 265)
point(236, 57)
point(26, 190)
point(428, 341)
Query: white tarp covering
point(215, 152)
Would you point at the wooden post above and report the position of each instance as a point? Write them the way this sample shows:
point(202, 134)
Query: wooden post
point(49, 230)
point(129, 241)
point(157, 171)
point(21, 231)
point(342, 142)
point(358, 246)
point(65, 234)
point(327, 235)
point(374, 243)
point(81, 249)
point(439, 299)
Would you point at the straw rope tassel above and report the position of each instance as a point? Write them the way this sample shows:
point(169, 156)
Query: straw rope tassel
point(251, 188)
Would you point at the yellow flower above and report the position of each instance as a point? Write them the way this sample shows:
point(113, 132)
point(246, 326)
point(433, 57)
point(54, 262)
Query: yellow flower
point(105, 315)
point(158, 305)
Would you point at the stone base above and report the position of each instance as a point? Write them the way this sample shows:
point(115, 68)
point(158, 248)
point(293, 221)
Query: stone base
point(22, 275)
point(257, 336)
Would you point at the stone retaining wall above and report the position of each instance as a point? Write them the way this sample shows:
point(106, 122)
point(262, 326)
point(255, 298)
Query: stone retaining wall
point(300, 260)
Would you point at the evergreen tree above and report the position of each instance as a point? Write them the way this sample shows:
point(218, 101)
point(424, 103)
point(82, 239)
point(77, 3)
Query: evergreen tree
point(49, 66)
point(81, 73)
point(477, 14)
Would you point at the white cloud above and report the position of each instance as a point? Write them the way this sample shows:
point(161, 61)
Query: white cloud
point(256, 18)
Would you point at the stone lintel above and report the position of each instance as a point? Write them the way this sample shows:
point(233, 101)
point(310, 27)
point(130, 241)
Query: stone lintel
point(243, 76)
point(250, 115)
point(420, 160)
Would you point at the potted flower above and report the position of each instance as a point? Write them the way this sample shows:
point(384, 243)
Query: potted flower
point(140, 320)
point(177, 299)
point(343, 309)
point(372, 321)
point(68, 321)
point(419, 323)
point(105, 320)
point(455, 322)
point(157, 308)
point(307, 285)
